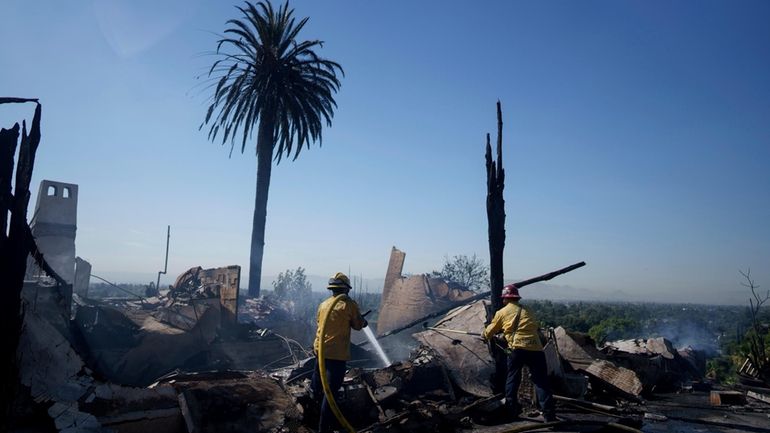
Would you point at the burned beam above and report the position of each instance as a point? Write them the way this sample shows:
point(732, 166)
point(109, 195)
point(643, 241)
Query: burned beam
point(550, 275)
point(12, 100)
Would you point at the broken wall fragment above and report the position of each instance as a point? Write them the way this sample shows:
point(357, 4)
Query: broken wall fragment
point(82, 277)
point(405, 299)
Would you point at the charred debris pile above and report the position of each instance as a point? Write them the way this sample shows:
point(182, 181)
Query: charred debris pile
point(180, 361)
point(196, 358)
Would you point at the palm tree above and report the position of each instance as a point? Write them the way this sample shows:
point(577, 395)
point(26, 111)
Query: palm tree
point(270, 81)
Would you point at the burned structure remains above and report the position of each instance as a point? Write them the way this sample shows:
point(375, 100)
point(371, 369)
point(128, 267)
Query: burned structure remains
point(177, 362)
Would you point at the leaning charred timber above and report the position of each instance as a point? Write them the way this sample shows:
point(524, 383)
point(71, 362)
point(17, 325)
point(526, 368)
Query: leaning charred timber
point(483, 295)
point(13, 245)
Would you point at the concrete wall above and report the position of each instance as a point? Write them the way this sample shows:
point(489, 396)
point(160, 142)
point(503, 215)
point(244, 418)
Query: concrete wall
point(82, 277)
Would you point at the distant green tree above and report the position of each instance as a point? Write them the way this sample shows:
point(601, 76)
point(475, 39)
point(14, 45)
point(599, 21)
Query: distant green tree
point(614, 328)
point(292, 285)
point(470, 272)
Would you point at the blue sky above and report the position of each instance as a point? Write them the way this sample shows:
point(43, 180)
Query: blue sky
point(637, 138)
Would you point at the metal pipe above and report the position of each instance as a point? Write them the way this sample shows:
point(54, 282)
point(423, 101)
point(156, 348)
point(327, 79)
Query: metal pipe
point(165, 267)
point(456, 331)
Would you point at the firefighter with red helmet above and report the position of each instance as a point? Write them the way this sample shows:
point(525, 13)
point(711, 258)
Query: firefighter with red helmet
point(520, 329)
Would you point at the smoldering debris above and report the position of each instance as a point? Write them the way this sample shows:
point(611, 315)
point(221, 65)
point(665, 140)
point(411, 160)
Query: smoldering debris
point(233, 401)
point(195, 323)
point(432, 391)
point(412, 395)
point(172, 364)
point(130, 365)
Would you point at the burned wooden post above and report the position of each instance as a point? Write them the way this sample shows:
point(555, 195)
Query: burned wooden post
point(496, 213)
point(496, 221)
point(14, 246)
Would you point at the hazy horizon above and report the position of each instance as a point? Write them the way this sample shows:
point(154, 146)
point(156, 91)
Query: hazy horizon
point(538, 291)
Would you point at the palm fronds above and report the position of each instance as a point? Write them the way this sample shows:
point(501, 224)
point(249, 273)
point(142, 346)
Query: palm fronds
point(263, 73)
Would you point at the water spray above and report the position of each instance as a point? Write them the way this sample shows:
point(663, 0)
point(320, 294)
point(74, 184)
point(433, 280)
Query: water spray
point(376, 344)
point(373, 341)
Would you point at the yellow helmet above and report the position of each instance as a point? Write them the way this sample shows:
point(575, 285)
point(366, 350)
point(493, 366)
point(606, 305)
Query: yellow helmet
point(339, 281)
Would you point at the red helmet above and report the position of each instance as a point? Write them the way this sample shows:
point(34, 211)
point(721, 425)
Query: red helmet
point(511, 292)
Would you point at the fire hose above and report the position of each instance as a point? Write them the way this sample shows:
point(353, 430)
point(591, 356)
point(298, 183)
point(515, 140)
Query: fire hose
point(322, 370)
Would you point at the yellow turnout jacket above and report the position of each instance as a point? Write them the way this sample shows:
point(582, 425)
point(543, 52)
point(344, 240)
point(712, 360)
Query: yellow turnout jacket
point(345, 316)
point(524, 336)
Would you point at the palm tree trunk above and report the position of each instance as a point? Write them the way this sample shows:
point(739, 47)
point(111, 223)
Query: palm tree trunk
point(265, 141)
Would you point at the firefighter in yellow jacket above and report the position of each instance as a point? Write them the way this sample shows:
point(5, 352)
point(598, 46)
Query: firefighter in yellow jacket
point(520, 327)
point(342, 319)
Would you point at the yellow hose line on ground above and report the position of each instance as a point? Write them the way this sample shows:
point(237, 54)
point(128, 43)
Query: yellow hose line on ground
point(322, 370)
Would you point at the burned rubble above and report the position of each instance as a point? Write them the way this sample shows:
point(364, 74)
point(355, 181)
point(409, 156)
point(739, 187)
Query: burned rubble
point(431, 390)
point(118, 367)
point(195, 322)
point(423, 392)
point(196, 358)
point(116, 364)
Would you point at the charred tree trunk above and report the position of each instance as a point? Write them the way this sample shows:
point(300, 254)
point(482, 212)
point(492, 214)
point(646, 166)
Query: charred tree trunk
point(9, 308)
point(496, 221)
point(8, 142)
point(496, 213)
point(14, 245)
point(265, 142)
